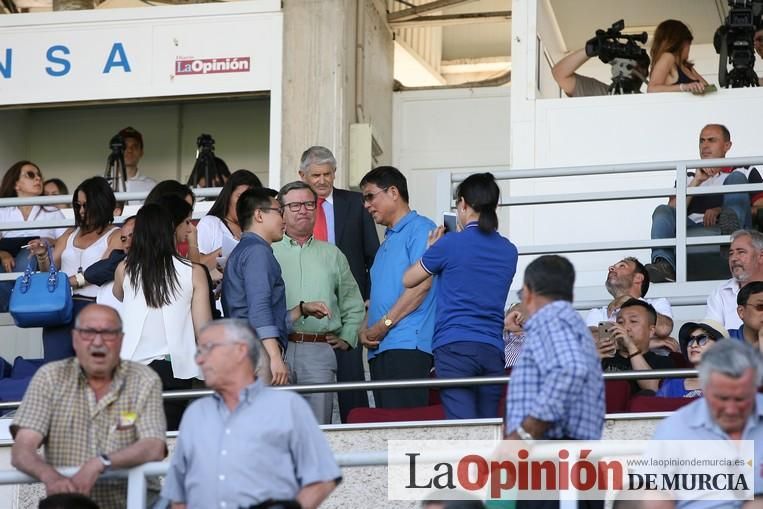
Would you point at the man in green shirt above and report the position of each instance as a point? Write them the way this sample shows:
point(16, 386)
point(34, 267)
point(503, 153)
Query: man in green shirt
point(314, 270)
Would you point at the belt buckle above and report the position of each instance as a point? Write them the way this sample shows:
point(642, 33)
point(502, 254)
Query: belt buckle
point(301, 337)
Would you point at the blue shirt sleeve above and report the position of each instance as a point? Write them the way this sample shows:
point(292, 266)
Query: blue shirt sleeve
point(435, 258)
point(417, 242)
point(313, 458)
point(258, 285)
point(173, 488)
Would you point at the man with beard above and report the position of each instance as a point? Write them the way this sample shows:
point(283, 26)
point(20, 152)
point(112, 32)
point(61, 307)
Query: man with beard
point(746, 265)
point(628, 279)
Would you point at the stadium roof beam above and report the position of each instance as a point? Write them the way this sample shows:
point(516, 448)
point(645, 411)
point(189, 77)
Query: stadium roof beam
point(412, 12)
point(453, 19)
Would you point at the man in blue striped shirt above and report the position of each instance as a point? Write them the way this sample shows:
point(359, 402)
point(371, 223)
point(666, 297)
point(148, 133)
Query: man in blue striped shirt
point(556, 389)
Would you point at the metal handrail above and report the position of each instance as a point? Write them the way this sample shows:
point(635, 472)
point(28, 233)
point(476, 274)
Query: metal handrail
point(681, 192)
point(424, 382)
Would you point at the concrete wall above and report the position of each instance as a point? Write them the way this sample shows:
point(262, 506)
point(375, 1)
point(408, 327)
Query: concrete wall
point(321, 96)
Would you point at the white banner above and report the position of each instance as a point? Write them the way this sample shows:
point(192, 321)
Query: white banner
point(143, 52)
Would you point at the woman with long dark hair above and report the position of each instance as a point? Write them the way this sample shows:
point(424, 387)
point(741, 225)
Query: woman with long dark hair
point(166, 298)
point(92, 239)
point(221, 220)
point(474, 268)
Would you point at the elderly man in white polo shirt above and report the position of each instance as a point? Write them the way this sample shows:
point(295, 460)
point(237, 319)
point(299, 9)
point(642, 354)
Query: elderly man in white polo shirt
point(746, 265)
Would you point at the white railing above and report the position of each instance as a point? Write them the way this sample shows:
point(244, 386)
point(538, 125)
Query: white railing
point(680, 242)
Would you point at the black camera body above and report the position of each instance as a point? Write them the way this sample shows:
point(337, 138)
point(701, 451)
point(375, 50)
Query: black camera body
point(205, 142)
point(734, 42)
point(607, 44)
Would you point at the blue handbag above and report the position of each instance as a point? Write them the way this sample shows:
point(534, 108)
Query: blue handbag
point(41, 299)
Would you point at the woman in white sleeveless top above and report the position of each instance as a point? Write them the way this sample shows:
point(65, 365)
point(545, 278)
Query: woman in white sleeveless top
point(92, 239)
point(23, 180)
point(166, 298)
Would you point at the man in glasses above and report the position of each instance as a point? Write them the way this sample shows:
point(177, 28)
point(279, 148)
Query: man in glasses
point(750, 309)
point(314, 270)
point(95, 410)
point(400, 321)
point(746, 266)
point(253, 288)
point(340, 219)
point(247, 444)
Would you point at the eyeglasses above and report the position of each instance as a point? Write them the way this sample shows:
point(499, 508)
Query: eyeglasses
point(369, 197)
point(699, 339)
point(31, 175)
point(80, 204)
point(756, 307)
point(106, 334)
point(275, 209)
point(208, 347)
point(296, 205)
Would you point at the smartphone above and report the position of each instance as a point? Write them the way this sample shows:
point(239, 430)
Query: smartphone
point(449, 221)
point(605, 330)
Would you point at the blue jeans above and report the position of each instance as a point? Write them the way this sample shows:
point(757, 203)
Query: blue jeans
point(467, 359)
point(22, 261)
point(664, 219)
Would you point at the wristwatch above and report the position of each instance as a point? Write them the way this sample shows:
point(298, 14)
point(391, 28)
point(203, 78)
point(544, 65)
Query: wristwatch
point(106, 461)
point(524, 435)
point(387, 321)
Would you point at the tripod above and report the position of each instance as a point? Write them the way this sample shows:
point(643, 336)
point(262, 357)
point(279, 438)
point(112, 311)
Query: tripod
point(116, 173)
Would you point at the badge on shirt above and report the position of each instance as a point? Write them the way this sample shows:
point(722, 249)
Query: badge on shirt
point(127, 420)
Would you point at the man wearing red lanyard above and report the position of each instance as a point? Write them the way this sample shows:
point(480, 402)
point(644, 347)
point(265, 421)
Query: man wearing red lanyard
point(706, 214)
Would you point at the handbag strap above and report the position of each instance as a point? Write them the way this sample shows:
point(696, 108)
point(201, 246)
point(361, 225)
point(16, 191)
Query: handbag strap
point(32, 267)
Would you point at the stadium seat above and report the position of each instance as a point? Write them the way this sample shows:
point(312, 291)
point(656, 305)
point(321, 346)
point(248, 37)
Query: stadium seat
point(656, 404)
point(616, 395)
point(424, 413)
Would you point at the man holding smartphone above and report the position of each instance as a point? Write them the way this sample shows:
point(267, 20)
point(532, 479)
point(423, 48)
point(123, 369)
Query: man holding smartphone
point(624, 345)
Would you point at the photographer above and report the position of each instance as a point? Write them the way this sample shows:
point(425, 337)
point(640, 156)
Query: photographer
point(629, 61)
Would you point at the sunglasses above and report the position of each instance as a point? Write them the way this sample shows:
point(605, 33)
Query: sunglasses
point(31, 175)
point(756, 307)
point(699, 339)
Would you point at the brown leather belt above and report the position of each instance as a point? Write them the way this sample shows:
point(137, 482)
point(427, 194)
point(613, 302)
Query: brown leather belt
point(307, 337)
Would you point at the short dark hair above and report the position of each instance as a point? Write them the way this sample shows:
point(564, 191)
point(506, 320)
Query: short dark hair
point(251, 200)
point(747, 291)
point(724, 130)
point(291, 186)
point(640, 269)
point(551, 276)
point(632, 303)
point(60, 185)
point(385, 177)
point(67, 501)
point(131, 132)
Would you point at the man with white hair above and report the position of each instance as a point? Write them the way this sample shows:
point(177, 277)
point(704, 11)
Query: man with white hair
point(247, 443)
point(730, 373)
point(746, 265)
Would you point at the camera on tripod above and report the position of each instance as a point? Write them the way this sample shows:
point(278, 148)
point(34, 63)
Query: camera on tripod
point(116, 173)
point(624, 54)
point(208, 170)
point(734, 42)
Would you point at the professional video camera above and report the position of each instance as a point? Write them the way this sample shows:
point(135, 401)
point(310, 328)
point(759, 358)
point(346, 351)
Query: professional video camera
point(734, 42)
point(205, 172)
point(624, 57)
point(116, 173)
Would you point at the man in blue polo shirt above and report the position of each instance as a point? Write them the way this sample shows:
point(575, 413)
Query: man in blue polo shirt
point(750, 311)
point(400, 321)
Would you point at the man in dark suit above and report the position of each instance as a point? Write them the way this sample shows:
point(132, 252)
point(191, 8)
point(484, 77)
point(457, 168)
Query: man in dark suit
point(342, 220)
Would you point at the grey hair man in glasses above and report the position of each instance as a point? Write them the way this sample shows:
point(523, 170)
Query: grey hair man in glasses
point(116, 403)
point(315, 270)
point(246, 444)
